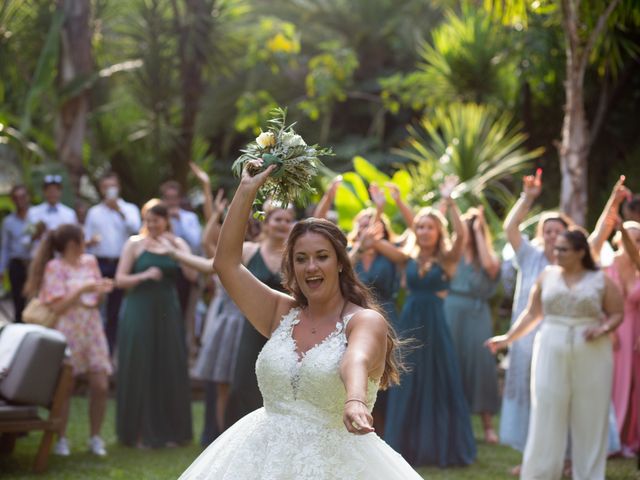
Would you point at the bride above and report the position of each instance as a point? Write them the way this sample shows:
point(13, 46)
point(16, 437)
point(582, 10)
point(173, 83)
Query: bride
point(326, 357)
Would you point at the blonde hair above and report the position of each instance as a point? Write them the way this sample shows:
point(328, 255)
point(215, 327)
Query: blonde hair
point(628, 225)
point(444, 242)
point(157, 207)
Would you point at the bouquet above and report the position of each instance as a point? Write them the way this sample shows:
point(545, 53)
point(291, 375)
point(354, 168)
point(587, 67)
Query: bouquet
point(297, 162)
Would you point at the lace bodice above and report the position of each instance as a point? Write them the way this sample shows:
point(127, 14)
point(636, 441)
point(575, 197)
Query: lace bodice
point(582, 300)
point(309, 386)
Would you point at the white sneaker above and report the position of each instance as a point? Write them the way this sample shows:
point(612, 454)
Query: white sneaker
point(96, 446)
point(62, 447)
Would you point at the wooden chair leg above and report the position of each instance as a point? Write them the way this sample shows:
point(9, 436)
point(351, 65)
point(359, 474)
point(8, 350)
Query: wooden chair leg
point(7, 442)
point(42, 457)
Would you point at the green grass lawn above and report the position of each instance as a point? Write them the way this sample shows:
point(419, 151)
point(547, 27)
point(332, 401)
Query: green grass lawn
point(127, 463)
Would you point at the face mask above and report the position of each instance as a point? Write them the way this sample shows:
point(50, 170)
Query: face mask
point(112, 193)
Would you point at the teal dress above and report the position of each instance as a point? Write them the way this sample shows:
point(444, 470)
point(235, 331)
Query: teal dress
point(382, 279)
point(245, 396)
point(153, 404)
point(428, 420)
point(469, 319)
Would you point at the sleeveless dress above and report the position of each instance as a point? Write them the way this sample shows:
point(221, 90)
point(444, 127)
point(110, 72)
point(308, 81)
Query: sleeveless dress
point(382, 279)
point(428, 418)
point(469, 319)
point(570, 381)
point(245, 396)
point(153, 390)
point(299, 434)
point(626, 374)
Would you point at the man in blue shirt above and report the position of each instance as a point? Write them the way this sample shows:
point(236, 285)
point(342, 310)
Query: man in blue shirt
point(14, 254)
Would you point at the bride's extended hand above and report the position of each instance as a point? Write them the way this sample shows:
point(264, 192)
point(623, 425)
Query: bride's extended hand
point(255, 180)
point(356, 418)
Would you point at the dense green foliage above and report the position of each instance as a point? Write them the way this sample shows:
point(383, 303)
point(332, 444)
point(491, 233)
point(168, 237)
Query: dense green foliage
point(175, 80)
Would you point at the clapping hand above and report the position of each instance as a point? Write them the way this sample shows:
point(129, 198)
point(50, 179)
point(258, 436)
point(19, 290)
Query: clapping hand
point(532, 185)
point(153, 273)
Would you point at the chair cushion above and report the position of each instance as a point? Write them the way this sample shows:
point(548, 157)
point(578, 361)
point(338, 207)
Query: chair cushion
point(33, 373)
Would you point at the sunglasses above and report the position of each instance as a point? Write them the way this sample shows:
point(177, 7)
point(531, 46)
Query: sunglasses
point(48, 179)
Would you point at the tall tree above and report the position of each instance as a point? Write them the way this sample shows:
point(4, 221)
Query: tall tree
point(588, 27)
point(75, 64)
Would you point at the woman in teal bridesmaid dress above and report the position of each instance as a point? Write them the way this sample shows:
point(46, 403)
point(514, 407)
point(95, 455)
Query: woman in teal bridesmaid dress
point(153, 406)
point(469, 319)
point(428, 419)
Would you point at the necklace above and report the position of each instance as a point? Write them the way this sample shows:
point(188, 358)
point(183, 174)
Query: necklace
point(313, 327)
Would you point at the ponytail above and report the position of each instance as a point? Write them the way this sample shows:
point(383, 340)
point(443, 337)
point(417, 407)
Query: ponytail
point(44, 253)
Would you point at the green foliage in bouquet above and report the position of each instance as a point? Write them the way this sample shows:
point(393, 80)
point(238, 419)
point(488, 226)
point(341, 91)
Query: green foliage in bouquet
point(297, 162)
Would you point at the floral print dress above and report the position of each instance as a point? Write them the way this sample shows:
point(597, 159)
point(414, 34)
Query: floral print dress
point(81, 323)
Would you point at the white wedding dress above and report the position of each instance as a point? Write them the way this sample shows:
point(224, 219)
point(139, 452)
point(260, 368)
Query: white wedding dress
point(299, 433)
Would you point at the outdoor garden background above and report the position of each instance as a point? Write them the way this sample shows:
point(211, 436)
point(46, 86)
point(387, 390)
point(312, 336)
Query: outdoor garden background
point(405, 90)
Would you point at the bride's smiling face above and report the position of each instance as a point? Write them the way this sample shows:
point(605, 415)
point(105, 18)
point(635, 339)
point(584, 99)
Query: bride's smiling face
point(316, 267)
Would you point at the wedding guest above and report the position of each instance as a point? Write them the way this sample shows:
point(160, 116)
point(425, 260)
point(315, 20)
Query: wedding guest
point(469, 318)
point(72, 286)
point(572, 365)
point(153, 397)
point(428, 418)
point(14, 254)
point(626, 379)
point(108, 226)
point(531, 257)
point(49, 214)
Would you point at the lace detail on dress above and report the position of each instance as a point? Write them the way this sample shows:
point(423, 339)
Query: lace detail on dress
point(583, 299)
point(299, 434)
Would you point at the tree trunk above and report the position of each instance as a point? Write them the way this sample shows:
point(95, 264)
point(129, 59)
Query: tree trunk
point(193, 39)
point(76, 61)
point(574, 147)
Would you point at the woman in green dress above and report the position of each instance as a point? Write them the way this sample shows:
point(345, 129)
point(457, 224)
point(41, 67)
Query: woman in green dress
point(153, 389)
point(469, 319)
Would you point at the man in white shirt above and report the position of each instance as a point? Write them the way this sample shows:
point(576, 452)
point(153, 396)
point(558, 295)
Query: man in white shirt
point(49, 214)
point(107, 227)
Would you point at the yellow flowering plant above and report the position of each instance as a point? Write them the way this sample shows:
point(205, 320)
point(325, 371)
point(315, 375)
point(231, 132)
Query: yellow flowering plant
point(297, 162)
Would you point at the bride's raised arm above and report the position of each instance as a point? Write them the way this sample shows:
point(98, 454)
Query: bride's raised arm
point(262, 305)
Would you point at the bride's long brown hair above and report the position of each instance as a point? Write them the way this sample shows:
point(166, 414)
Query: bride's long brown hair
point(352, 289)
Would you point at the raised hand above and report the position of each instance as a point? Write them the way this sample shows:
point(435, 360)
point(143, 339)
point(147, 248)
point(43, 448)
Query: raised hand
point(394, 190)
point(377, 196)
point(220, 203)
point(448, 186)
point(532, 185)
point(252, 176)
point(620, 193)
point(200, 174)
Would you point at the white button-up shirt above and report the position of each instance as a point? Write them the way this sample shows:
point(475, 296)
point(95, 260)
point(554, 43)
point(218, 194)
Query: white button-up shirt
point(51, 215)
point(111, 227)
point(187, 226)
point(12, 245)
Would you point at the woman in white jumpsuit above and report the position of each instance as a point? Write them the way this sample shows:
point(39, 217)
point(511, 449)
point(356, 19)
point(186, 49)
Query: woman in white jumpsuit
point(572, 364)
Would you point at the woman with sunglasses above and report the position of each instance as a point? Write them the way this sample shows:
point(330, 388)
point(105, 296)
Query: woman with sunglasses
point(572, 364)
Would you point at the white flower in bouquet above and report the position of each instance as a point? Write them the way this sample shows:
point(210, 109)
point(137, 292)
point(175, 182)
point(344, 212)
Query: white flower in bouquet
point(297, 162)
point(266, 139)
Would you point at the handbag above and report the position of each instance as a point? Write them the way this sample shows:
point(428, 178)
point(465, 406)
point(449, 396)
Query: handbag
point(38, 313)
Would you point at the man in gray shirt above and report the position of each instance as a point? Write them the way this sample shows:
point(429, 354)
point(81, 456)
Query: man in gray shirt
point(14, 253)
